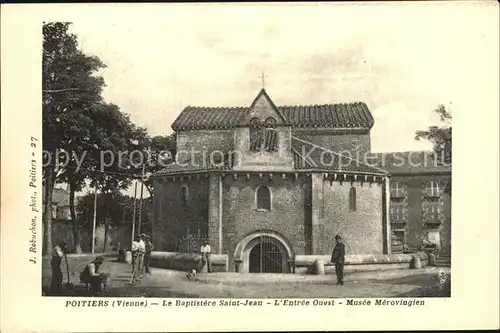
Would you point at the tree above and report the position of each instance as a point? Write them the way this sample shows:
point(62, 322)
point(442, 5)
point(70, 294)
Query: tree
point(440, 137)
point(69, 89)
point(115, 210)
point(162, 151)
point(115, 136)
point(84, 130)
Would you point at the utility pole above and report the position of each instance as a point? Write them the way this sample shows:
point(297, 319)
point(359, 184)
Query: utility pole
point(95, 218)
point(133, 218)
point(142, 191)
point(140, 202)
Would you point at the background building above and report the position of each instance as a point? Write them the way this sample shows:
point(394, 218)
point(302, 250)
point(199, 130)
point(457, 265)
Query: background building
point(420, 205)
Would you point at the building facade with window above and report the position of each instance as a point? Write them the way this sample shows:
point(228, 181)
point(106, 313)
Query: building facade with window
point(60, 204)
point(420, 198)
point(265, 183)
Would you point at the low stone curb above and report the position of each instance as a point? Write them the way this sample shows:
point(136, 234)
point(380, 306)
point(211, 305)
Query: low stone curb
point(90, 255)
point(362, 259)
point(186, 261)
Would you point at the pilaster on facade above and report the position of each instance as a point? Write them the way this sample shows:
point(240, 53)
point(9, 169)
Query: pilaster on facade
point(386, 216)
point(316, 212)
point(215, 212)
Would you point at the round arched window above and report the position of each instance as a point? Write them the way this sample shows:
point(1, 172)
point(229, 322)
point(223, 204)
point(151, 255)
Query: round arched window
point(352, 198)
point(263, 198)
point(270, 122)
point(185, 194)
point(255, 123)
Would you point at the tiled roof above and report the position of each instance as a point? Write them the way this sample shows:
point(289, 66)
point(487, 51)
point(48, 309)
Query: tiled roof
point(345, 115)
point(408, 162)
point(193, 117)
point(174, 169)
point(308, 156)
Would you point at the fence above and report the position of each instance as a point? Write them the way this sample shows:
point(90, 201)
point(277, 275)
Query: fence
point(192, 243)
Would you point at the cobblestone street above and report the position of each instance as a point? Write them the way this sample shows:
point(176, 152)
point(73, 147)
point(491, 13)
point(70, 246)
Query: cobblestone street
point(170, 283)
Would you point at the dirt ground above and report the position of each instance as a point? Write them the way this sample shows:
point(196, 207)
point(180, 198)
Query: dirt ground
point(169, 283)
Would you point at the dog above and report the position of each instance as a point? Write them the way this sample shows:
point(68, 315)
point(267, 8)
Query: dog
point(192, 274)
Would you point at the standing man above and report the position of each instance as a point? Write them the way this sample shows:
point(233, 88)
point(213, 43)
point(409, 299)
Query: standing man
point(55, 263)
point(205, 256)
point(147, 255)
point(138, 251)
point(338, 258)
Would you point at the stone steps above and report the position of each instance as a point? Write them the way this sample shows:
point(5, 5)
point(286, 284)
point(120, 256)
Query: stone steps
point(396, 245)
point(443, 261)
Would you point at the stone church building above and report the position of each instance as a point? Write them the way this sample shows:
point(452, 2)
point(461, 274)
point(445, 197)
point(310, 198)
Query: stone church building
point(265, 183)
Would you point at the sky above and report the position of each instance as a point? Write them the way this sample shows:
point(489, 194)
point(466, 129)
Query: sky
point(402, 60)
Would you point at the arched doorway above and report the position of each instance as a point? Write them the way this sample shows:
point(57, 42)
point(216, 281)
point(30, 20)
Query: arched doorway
point(263, 252)
point(267, 257)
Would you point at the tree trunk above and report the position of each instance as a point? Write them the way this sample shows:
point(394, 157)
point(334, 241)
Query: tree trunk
point(47, 215)
point(106, 224)
point(109, 197)
point(76, 229)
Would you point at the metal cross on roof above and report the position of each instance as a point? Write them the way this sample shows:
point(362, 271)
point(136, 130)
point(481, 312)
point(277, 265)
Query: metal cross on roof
point(262, 77)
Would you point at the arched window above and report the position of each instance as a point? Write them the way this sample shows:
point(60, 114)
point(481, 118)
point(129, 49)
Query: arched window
point(263, 198)
point(271, 122)
point(255, 134)
point(255, 123)
point(185, 194)
point(263, 136)
point(270, 136)
point(352, 198)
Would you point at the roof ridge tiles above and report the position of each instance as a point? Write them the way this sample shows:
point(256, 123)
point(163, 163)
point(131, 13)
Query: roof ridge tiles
point(332, 115)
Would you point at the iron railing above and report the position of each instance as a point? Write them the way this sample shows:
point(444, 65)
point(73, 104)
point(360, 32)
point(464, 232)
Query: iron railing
point(192, 243)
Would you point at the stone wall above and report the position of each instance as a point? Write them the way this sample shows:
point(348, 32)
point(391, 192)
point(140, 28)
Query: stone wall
point(307, 211)
point(62, 230)
point(174, 217)
point(361, 229)
point(262, 160)
point(203, 143)
point(336, 141)
point(240, 216)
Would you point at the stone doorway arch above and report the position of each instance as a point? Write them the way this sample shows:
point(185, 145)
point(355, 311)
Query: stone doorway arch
point(273, 251)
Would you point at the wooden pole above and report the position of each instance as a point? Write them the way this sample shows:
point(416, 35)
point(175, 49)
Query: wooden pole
point(133, 217)
point(140, 203)
point(94, 222)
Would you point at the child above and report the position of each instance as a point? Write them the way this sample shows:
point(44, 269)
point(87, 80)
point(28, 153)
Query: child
point(191, 274)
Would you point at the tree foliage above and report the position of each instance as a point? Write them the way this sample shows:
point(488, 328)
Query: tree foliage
point(69, 91)
point(118, 208)
point(162, 152)
point(86, 134)
point(113, 210)
point(440, 137)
